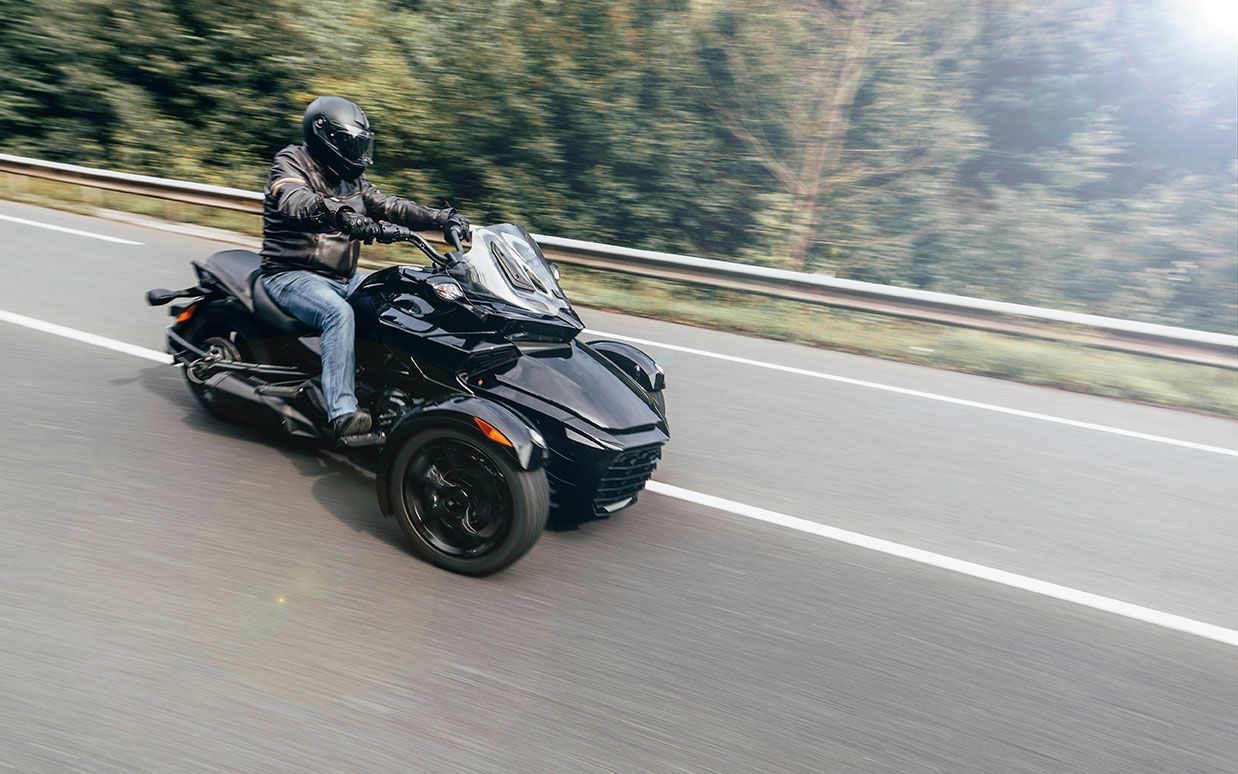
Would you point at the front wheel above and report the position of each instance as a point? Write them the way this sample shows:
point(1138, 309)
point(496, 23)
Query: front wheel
point(463, 505)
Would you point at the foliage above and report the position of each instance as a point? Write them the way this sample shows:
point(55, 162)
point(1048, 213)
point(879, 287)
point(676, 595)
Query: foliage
point(1065, 153)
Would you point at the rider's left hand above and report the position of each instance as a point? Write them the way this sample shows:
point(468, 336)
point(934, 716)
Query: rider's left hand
point(453, 219)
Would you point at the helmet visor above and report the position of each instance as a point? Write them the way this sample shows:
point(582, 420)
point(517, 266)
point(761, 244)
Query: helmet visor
point(354, 144)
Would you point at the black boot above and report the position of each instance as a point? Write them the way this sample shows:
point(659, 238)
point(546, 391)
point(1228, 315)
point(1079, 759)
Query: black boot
point(356, 423)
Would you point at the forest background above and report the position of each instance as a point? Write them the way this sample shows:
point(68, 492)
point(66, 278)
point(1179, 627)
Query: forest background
point(1073, 154)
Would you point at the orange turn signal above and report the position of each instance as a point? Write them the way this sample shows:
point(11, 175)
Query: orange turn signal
point(186, 313)
point(491, 432)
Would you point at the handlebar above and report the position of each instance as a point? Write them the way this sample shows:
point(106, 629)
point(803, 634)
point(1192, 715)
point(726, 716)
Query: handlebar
point(390, 233)
point(453, 236)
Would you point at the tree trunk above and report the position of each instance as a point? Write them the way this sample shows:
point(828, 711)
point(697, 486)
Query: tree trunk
point(805, 233)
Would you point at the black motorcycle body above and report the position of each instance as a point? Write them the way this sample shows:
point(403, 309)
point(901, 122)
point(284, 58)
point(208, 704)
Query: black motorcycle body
point(479, 353)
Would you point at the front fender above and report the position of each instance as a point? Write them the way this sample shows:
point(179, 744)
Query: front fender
point(638, 366)
point(528, 449)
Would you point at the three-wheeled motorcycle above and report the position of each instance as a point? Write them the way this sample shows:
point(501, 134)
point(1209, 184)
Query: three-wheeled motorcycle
point(492, 420)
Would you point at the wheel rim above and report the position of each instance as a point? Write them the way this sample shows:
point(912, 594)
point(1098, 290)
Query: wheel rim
point(218, 348)
point(222, 350)
point(457, 499)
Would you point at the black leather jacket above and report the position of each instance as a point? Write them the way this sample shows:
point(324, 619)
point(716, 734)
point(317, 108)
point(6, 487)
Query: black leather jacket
point(298, 216)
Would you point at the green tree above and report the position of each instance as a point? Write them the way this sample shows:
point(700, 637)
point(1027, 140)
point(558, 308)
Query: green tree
point(189, 88)
point(841, 102)
point(567, 116)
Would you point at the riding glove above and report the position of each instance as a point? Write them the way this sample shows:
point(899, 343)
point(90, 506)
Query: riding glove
point(356, 225)
point(449, 219)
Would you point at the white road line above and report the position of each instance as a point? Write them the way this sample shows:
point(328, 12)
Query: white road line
point(941, 561)
point(160, 357)
point(963, 567)
point(50, 227)
point(84, 337)
point(928, 395)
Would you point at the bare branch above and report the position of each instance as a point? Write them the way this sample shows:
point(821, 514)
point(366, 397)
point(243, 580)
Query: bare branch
point(763, 150)
point(877, 242)
point(850, 76)
point(821, 9)
point(767, 158)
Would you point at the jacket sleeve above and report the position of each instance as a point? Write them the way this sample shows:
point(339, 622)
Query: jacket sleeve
point(403, 212)
point(290, 193)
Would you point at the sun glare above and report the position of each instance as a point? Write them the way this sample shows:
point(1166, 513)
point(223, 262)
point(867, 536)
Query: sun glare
point(1215, 19)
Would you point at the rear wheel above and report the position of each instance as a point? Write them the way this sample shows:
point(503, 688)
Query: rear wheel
point(226, 340)
point(463, 505)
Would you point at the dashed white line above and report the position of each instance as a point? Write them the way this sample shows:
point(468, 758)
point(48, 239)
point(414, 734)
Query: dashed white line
point(961, 566)
point(879, 545)
point(64, 230)
point(928, 395)
point(84, 337)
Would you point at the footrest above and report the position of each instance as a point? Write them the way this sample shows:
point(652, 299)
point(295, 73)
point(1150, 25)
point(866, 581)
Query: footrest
point(369, 439)
point(281, 390)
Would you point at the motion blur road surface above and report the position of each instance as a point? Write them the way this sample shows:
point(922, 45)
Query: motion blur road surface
point(177, 594)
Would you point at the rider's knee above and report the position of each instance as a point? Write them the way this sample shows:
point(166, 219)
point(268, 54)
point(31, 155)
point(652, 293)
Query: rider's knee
point(340, 316)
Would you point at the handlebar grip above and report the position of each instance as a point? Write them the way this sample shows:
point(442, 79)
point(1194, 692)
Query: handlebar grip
point(454, 237)
point(390, 232)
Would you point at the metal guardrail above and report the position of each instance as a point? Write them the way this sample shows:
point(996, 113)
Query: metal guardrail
point(216, 196)
point(1164, 341)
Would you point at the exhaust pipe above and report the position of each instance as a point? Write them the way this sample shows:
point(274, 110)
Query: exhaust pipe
point(236, 396)
point(242, 397)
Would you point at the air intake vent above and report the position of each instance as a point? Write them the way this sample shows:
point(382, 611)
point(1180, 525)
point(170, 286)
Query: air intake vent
point(625, 476)
point(489, 360)
point(515, 273)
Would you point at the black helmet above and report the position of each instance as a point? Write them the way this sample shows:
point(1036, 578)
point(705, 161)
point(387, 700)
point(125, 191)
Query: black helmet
point(338, 136)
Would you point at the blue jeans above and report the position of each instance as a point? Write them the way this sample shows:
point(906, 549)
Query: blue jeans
point(319, 303)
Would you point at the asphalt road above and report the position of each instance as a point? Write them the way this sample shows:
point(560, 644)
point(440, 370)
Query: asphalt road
point(181, 595)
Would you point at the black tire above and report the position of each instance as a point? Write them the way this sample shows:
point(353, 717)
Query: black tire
point(233, 338)
point(514, 503)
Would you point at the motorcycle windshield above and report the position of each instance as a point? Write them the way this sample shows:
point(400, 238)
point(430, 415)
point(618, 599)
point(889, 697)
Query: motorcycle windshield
point(504, 264)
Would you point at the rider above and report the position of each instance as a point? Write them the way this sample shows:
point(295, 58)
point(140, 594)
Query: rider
point(318, 209)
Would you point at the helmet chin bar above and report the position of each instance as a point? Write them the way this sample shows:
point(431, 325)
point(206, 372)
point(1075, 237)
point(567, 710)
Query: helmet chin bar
point(344, 169)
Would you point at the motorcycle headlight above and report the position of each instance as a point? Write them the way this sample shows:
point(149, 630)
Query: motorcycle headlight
point(447, 289)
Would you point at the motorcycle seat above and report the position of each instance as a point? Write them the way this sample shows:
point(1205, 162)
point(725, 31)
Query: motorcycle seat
point(235, 269)
point(239, 271)
point(269, 312)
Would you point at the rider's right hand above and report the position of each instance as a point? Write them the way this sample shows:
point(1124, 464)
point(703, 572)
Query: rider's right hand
point(357, 225)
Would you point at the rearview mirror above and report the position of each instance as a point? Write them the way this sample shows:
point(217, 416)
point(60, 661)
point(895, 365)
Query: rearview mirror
point(159, 296)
